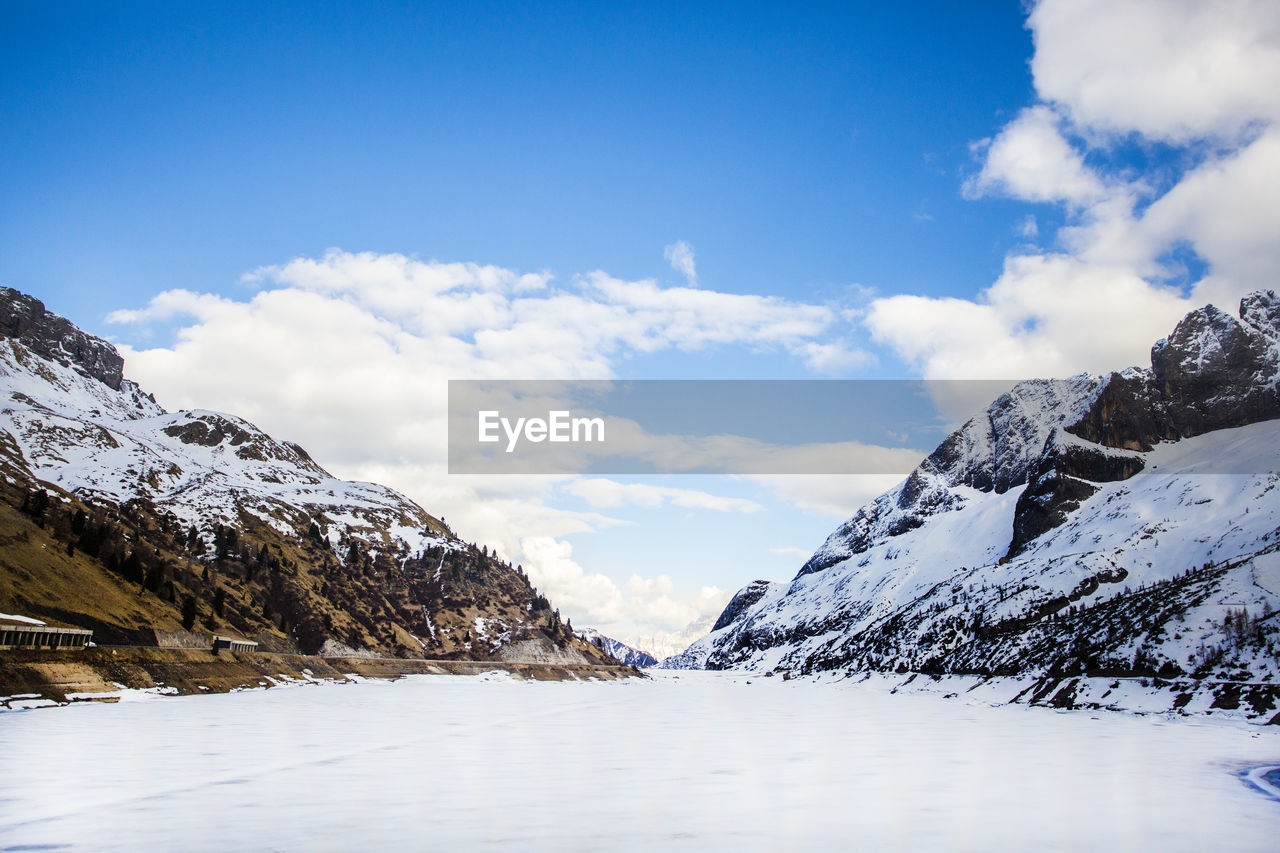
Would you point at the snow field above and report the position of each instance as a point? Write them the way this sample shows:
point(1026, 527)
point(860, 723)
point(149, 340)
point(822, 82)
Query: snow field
point(686, 761)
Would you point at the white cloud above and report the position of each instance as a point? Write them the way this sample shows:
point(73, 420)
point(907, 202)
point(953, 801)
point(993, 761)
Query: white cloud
point(593, 597)
point(597, 601)
point(1047, 315)
point(1177, 70)
point(1121, 72)
point(658, 597)
point(1031, 160)
point(1229, 210)
point(170, 304)
point(650, 317)
point(680, 255)
point(349, 354)
point(834, 358)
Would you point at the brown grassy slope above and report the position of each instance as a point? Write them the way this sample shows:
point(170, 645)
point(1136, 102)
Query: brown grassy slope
point(38, 578)
point(78, 675)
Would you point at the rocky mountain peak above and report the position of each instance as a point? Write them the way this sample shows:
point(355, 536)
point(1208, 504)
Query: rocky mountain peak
point(746, 597)
point(1214, 371)
point(1209, 343)
point(1261, 310)
point(25, 319)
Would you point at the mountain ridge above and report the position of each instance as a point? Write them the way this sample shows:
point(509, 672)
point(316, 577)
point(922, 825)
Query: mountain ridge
point(1070, 528)
point(106, 491)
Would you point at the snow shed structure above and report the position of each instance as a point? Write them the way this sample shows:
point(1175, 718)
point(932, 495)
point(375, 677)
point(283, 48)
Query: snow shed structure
point(232, 644)
point(30, 634)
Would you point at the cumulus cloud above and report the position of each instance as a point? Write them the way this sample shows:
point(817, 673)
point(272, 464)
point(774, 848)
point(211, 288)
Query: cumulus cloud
point(834, 358)
point(648, 602)
point(658, 598)
point(1047, 315)
point(1031, 160)
point(551, 568)
point(1195, 75)
point(1175, 70)
point(350, 353)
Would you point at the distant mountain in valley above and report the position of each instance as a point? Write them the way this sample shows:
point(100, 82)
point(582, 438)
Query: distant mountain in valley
point(617, 649)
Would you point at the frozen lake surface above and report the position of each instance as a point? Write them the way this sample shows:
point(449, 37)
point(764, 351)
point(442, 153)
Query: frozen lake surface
point(693, 761)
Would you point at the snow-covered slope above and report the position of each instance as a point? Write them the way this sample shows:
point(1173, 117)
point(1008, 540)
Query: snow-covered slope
point(1125, 524)
point(72, 429)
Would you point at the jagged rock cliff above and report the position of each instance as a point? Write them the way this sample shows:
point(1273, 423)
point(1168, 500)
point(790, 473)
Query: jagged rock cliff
point(49, 336)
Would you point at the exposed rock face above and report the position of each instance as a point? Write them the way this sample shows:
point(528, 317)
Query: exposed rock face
point(1127, 414)
point(1066, 475)
point(542, 650)
point(747, 596)
point(201, 431)
point(1261, 310)
point(210, 429)
point(46, 334)
point(1213, 372)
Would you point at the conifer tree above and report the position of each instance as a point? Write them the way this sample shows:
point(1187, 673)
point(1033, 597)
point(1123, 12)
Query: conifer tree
point(189, 612)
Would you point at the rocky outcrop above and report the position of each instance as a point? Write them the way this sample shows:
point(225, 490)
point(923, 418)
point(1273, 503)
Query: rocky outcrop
point(208, 432)
point(747, 596)
point(1066, 476)
point(50, 336)
point(210, 429)
point(1213, 372)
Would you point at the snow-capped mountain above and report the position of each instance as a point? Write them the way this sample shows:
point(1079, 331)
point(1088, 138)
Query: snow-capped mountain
point(1126, 524)
point(617, 649)
point(98, 435)
point(202, 504)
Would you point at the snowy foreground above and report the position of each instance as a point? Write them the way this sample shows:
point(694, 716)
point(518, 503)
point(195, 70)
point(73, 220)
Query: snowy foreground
point(692, 761)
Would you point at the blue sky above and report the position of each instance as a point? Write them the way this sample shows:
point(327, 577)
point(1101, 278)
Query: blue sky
point(314, 215)
point(150, 146)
